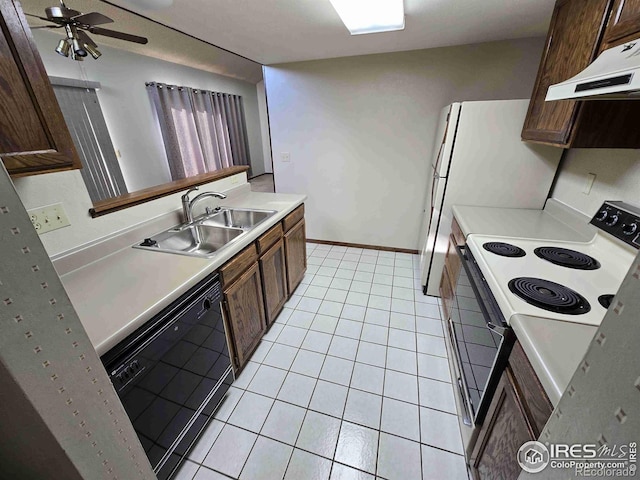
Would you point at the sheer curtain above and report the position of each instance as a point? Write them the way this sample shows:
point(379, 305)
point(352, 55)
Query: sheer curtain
point(203, 131)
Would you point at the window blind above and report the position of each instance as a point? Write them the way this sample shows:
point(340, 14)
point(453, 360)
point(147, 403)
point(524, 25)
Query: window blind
point(101, 171)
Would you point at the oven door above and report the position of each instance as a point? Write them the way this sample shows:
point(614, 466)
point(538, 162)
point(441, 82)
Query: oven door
point(480, 337)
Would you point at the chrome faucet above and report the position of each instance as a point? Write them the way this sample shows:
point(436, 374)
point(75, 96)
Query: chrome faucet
point(187, 204)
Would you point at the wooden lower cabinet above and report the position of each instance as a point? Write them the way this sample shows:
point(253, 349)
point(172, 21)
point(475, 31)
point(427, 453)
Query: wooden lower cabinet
point(258, 281)
point(517, 414)
point(274, 280)
point(505, 429)
point(244, 315)
point(295, 244)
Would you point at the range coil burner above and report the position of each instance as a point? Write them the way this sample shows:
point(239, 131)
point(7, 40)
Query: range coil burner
point(567, 258)
point(504, 249)
point(549, 295)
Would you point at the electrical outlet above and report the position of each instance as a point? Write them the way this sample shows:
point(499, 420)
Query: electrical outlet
point(48, 218)
point(285, 156)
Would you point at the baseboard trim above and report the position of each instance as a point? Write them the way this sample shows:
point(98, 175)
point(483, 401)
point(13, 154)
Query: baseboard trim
point(361, 245)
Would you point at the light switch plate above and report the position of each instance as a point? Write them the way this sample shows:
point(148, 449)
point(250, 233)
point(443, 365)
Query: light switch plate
point(50, 217)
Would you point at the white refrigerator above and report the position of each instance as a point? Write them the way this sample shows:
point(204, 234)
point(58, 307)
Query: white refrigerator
point(479, 160)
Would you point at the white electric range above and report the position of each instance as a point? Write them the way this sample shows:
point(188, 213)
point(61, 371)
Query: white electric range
point(501, 276)
point(560, 280)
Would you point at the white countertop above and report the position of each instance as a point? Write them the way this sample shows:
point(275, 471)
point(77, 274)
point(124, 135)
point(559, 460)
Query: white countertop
point(554, 348)
point(118, 293)
point(519, 222)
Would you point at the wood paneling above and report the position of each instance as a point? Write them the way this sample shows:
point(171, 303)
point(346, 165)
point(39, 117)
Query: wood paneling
point(534, 399)
point(572, 43)
point(237, 265)
point(34, 136)
point(269, 238)
point(293, 218)
point(274, 280)
point(159, 191)
point(504, 431)
point(296, 255)
point(244, 308)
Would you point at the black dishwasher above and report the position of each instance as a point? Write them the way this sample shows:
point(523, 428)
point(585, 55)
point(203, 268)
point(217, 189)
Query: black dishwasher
point(172, 373)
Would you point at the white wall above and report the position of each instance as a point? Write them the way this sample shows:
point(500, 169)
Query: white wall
point(127, 109)
point(617, 178)
point(360, 130)
point(264, 126)
point(68, 188)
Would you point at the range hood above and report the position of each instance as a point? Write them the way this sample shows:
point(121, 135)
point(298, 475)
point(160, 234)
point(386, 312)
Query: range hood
point(614, 75)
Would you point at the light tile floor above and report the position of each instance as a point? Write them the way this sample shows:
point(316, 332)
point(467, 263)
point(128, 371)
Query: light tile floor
point(351, 382)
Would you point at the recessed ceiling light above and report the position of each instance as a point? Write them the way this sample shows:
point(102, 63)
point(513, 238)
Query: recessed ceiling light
point(370, 16)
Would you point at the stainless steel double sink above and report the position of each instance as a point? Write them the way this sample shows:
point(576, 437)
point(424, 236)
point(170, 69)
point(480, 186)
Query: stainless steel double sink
point(208, 234)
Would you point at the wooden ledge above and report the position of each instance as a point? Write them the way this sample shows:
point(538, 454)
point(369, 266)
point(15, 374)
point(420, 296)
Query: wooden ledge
point(152, 193)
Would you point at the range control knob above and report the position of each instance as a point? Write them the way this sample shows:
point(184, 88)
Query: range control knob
point(629, 228)
point(613, 219)
point(601, 215)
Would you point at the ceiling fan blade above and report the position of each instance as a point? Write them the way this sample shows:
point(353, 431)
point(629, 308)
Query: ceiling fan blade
point(37, 16)
point(120, 35)
point(93, 18)
point(46, 26)
point(85, 39)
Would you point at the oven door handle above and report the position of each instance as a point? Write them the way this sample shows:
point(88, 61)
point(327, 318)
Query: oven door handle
point(499, 330)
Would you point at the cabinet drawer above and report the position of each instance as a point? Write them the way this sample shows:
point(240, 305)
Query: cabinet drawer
point(269, 238)
point(238, 264)
point(293, 218)
point(456, 233)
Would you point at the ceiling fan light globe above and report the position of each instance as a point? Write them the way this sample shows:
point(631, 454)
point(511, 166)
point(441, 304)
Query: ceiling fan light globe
point(77, 48)
point(94, 52)
point(63, 48)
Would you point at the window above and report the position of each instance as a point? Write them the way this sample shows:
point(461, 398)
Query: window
point(81, 110)
point(202, 131)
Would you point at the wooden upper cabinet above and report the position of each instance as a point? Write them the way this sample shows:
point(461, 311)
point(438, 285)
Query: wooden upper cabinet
point(579, 31)
point(624, 23)
point(572, 43)
point(33, 134)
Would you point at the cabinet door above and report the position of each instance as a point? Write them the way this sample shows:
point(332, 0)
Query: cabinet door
point(274, 280)
point(33, 134)
point(624, 23)
point(244, 308)
point(572, 43)
point(295, 244)
point(504, 431)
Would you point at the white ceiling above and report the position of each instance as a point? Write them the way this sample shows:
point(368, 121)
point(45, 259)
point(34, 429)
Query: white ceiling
point(278, 31)
point(164, 43)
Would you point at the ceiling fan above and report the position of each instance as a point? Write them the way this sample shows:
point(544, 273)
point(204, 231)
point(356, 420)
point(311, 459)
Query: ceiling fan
point(76, 24)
